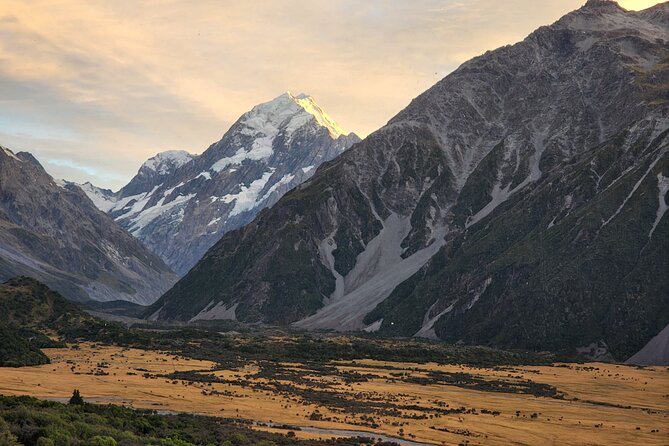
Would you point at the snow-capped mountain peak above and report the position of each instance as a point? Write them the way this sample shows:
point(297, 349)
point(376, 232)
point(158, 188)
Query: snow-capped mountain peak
point(168, 161)
point(600, 3)
point(309, 105)
point(180, 204)
point(9, 153)
point(284, 115)
point(267, 118)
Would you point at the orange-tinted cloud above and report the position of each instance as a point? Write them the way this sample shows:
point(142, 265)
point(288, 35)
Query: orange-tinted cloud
point(106, 84)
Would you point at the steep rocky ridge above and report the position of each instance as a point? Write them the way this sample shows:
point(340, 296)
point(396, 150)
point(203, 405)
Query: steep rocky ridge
point(51, 231)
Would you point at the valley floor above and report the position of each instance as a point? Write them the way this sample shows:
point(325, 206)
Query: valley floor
point(571, 404)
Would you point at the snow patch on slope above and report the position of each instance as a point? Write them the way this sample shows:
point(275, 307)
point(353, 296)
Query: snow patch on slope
point(325, 250)
point(663, 188)
point(133, 204)
point(634, 188)
point(148, 215)
point(499, 195)
point(285, 180)
point(103, 200)
point(247, 198)
point(259, 151)
point(381, 253)
point(427, 329)
point(378, 270)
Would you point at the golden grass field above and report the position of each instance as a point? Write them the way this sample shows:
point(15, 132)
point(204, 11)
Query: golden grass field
point(602, 404)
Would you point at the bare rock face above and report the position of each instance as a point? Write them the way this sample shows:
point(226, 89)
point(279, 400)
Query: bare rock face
point(51, 231)
point(518, 202)
point(656, 352)
point(179, 204)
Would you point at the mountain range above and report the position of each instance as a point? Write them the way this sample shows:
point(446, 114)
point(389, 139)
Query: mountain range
point(51, 231)
point(180, 204)
point(520, 202)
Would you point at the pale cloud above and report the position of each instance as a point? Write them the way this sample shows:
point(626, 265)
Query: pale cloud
point(104, 85)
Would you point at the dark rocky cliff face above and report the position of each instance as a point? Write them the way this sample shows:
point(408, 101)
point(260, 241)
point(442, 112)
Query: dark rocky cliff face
point(490, 210)
point(53, 232)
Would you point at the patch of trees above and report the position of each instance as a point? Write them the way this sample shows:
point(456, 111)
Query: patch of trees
point(29, 421)
point(18, 348)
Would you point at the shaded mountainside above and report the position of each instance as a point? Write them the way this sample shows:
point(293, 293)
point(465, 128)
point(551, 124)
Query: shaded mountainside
point(179, 204)
point(51, 231)
point(580, 258)
point(29, 311)
point(491, 210)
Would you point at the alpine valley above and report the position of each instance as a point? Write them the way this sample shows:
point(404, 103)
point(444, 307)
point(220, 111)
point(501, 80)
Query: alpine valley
point(490, 267)
point(518, 203)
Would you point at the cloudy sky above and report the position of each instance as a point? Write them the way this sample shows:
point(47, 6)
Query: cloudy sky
point(94, 87)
